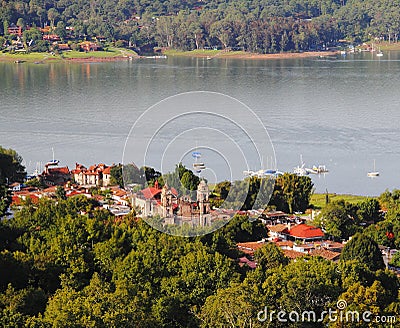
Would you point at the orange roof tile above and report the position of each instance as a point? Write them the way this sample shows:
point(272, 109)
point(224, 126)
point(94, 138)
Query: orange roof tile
point(250, 247)
point(150, 192)
point(277, 228)
point(59, 170)
point(326, 254)
point(292, 254)
point(306, 231)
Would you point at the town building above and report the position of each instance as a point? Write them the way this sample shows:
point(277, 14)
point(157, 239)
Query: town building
point(15, 30)
point(173, 209)
point(55, 175)
point(98, 175)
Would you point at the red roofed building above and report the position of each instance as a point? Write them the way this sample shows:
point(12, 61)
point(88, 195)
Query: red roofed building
point(56, 176)
point(166, 203)
point(250, 247)
point(305, 233)
point(89, 46)
point(51, 37)
point(293, 255)
point(95, 175)
point(15, 30)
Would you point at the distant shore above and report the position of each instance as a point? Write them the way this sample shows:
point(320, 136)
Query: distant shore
point(124, 54)
point(119, 54)
point(211, 54)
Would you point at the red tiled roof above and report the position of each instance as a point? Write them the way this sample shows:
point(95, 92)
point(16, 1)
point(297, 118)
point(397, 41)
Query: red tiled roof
point(284, 243)
point(59, 170)
point(120, 193)
point(107, 170)
point(250, 247)
point(73, 193)
point(277, 228)
point(50, 189)
point(326, 254)
point(292, 254)
point(244, 260)
point(150, 192)
point(305, 231)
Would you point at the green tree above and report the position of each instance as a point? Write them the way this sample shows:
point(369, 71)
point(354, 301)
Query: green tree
point(230, 307)
point(270, 257)
point(60, 30)
point(292, 193)
point(11, 170)
point(116, 175)
point(60, 193)
point(369, 210)
point(339, 219)
point(52, 15)
point(364, 249)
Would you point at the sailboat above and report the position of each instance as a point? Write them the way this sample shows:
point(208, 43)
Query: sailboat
point(53, 161)
point(300, 170)
point(373, 173)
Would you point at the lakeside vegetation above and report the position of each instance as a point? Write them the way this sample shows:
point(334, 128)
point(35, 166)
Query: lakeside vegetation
point(256, 26)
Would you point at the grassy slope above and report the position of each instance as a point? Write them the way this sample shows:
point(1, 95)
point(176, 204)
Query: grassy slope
point(318, 200)
point(38, 56)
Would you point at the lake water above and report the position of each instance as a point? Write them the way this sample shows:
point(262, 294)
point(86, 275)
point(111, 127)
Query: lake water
point(342, 112)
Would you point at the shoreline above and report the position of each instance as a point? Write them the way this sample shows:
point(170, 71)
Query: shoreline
point(42, 58)
point(211, 54)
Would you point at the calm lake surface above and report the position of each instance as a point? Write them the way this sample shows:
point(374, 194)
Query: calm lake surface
point(343, 112)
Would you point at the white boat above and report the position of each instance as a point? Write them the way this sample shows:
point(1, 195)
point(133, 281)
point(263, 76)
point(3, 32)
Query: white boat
point(320, 169)
point(374, 173)
point(380, 53)
point(199, 166)
point(52, 162)
point(301, 170)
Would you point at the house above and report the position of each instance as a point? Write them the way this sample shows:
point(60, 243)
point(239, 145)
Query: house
point(94, 176)
point(89, 46)
point(305, 233)
point(245, 261)
point(45, 29)
point(55, 176)
point(291, 254)
point(15, 30)
point(16, 186)
point(277, 231)
point(326, 254)
point(63, 46)
point(51, 37)
point(250, 247)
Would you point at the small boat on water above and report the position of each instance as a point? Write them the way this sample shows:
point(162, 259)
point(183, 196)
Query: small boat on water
point(374, 173)
point(320, 169)
point(19, 61)
point(380, 53)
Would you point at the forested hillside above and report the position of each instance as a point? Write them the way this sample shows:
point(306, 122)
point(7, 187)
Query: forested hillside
point(264, 26)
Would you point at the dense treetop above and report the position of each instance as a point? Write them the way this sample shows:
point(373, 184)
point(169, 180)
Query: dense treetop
point(68, 263)
point(264, 26)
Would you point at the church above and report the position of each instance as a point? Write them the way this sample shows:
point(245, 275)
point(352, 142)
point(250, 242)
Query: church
point(165, 202)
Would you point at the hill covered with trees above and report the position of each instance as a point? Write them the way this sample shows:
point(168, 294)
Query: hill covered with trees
point(263, 26)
